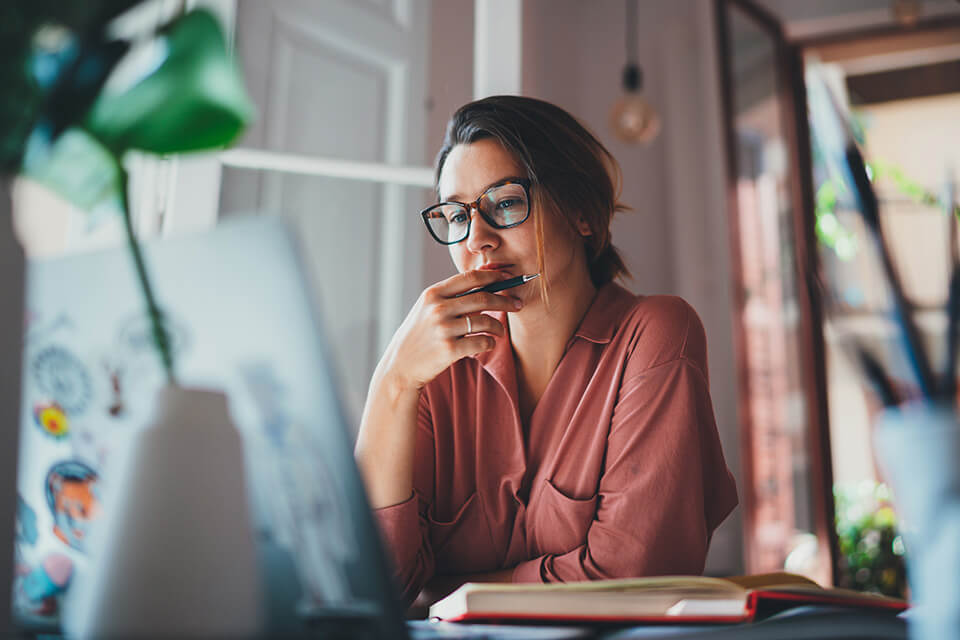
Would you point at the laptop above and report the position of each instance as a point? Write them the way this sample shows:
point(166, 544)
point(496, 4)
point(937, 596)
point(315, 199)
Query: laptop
point(238, 312)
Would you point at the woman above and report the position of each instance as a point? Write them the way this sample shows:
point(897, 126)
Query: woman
point(560, 430)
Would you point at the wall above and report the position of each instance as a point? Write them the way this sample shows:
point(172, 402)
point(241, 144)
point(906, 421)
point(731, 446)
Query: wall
point(450, 84)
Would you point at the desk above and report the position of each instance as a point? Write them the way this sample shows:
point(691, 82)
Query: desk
point(801, 623)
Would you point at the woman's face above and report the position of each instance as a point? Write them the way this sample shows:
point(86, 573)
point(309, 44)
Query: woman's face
point(469, 170)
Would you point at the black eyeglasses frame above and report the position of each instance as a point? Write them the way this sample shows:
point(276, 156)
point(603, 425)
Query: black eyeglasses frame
point(470, 206)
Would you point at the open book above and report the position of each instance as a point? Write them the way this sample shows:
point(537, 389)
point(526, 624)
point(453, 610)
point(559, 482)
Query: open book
point(657, 599)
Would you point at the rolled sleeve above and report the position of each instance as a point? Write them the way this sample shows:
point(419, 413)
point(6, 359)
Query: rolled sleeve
point(400, 527)
point(404, 527)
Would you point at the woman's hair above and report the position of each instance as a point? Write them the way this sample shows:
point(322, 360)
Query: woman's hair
point(572, 174)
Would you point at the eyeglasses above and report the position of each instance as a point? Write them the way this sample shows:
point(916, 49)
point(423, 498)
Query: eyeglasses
point(503, 205)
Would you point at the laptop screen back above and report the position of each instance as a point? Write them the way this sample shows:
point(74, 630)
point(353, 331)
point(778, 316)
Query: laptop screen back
point(240, 319)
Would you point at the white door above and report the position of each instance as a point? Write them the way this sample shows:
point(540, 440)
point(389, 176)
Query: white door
point(342, 80)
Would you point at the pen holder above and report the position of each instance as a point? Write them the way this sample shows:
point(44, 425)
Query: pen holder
point(174, 555)
point(918, 447)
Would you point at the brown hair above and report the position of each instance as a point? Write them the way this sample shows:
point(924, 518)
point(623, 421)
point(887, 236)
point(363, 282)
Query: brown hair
point(571, 172)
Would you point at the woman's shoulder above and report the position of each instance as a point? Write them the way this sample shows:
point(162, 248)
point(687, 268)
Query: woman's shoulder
point(656, 329)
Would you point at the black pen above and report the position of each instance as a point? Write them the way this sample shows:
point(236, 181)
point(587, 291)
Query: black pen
point(501, 285)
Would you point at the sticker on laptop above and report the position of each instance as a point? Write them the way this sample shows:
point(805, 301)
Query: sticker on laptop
point(74, 501)
point(61, 376)
point(38, 589)
point(52, 420)
point(267, 393)
point(113, 373)
point(26, 523)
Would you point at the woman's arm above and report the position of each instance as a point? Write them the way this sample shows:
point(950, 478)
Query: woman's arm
point(394, 449)
point(385, 444)
point(432, 337)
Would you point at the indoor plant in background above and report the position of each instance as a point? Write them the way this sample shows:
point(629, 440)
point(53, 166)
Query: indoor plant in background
point(871, 547)
point(172, 90)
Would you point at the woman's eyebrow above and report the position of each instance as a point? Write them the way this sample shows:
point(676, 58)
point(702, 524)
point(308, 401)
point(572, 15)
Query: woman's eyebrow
point(456, 197)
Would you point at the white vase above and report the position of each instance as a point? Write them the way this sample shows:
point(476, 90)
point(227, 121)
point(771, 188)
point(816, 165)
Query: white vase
point(11, 345)
point(174, 554)
point(918, 448)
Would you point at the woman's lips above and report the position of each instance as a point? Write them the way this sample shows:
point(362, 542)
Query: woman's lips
point(494, 266)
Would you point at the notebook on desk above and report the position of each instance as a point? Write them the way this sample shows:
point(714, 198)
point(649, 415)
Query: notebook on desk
point(241, 319)
point(659, 599)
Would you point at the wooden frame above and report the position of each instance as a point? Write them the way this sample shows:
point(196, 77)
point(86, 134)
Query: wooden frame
point(834, 47)
point(812, 313)
point(813, 366)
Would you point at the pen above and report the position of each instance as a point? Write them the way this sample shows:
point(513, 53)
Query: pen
point(500, 286)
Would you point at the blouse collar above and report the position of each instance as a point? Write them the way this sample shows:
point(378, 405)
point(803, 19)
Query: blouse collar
point(599, 324)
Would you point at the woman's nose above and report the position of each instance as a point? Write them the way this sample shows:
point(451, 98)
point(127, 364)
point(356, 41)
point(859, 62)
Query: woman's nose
point(482, 236)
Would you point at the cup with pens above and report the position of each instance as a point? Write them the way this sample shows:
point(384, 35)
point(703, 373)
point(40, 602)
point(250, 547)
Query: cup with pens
point(917, 435)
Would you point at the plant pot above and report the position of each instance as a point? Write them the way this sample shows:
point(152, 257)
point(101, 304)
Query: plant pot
point(919, 451)
point(175, 554)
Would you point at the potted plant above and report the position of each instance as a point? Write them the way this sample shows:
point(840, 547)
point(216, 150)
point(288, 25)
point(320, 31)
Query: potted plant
point(86, 100)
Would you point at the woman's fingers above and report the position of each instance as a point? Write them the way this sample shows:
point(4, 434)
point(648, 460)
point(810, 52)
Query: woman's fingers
point(466, 281)
point(472, 345)
point(479, 323)
point(441, 328)
point(482, 301)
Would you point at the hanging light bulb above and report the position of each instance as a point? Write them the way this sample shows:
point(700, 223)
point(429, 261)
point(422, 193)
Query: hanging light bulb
point(906, 12)
point(633, 118)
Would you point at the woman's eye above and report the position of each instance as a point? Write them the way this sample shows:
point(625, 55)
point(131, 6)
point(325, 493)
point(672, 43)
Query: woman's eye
point(459, 218)
point(509, 203)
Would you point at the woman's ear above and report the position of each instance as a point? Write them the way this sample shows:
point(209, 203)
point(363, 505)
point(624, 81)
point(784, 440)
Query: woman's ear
point(583, 228)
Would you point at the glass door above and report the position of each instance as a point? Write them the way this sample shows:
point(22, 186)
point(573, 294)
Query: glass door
point(788, 508)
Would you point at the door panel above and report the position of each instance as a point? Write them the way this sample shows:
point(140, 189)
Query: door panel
point(340, 80)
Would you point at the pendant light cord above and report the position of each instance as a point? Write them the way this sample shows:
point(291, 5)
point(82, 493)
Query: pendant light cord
point(631, 26)
point(632, 77)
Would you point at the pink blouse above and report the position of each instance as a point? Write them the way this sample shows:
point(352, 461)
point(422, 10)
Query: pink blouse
point(619, 472)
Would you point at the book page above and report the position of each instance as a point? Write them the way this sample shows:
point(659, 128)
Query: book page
point(685, 584)
point(769, 580)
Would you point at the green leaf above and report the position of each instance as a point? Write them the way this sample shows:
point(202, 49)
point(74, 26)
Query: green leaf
point(76, 167)
point(186, 95)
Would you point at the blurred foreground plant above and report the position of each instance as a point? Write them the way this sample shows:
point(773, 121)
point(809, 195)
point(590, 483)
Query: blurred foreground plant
point(83, 98)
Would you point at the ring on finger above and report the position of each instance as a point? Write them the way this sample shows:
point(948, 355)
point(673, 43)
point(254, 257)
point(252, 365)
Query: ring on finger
point(469, 325)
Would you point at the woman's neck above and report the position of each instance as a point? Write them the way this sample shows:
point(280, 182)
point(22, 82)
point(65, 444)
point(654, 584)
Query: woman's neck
point(539, 334)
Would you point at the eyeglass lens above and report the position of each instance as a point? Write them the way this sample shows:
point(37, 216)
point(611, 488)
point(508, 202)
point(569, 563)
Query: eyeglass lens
point(502, 206)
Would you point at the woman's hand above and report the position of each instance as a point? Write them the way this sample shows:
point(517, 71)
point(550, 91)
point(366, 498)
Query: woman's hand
point(442, 328)
point(434, 335)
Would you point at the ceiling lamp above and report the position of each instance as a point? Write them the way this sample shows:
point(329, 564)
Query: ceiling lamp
point(632, 117)
point(906, 12)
